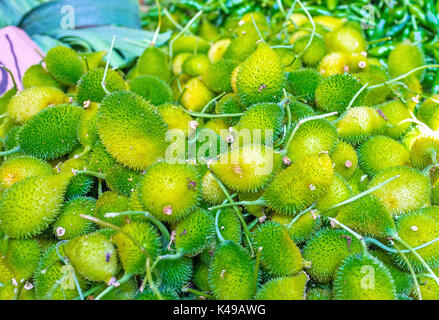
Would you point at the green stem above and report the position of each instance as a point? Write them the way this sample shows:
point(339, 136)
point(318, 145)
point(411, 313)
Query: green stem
point(9, 152)
point(360, 195)
point(386, 248)
point(418, 256)
point(75, 279)
point(150, 281)
point(19, 290)
point(110, 288)
point(159, 24)
point(163, 230)
point(11, 74)
point(103, 84)
point(379, 40)
point(405, 75)
point(238, 212)
point(257, 263)
point(257, 29)
point(258, 202)
point(412, 272)
point(311, 20)
point(218, 232)
point(91, 290)
point(175, 256)
point(357, 95)
point(95, 174)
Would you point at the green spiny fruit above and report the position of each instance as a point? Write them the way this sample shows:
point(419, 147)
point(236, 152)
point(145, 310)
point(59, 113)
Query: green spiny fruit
point(345, 158)
point(196, 65)
point(87, 129)
point(336, 92)
point(64, 64)
point(423, 151)
point(218, 49)
point(231, 273)
point(313, 138)
point(300, 111)
point(211, 190)
point(248, 168)
point(11, 139)
point(287, 288)
point(18, 168)
point(381, 152)
point(170, 191)
point(50, 270)
point(359, 123)
point(200, 275)
point(303, 228)
point(29, 206)
point(428, 112)
point(109, 202)
point(122, 179)
point(326, 250)
point(395, 112)
point(93, 60)
point(80, 184)
point(99, 159)
point(280, 256)
point(90, 85)
point(230, 226)
point(128, 240)
point(135, 134)
point(22, 257)
point(313, 53)
point(403, 280)
point(409, 192)
point(229, 104)
point(303, 83)
point(189, 43)
point(358, 181)
point(154, 62)
point(37, 76)
point(93, 256)
point(372, 76)
point(175, 273)
point(195, 95)
point(363, 278)
point(27, 103)
point(194, 232)
point(367, 216)
point(218, 75)
point(337, 192)
point(319, 294)
point(405, 57)
point(260, 77)
point(52, 133)
point(306, 180)
point(152, 89)
point(176, 118)
point(346, 39)
point(69, 224)
point(429, 288)
point(125, 291)
point(261, 116)
point(417, 228)
point(240, 48)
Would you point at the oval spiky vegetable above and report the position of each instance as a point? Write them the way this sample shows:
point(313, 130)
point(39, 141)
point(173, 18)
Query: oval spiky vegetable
point(90, 85)
point(29, 206)
point(246, 169)
point(260, 77)
point(174, 274)
point(29, 102)
point(93, 256)
point(231, 273)
point(345, 159)
point(363, 278)
point(381, 152)
point(336, 92)
point(217, 76)
point(37, 76)
point(128, 240)
point(64, 64)
point(16, 169)
point(314, 53)
point(194, 232)
point(69, 223)
point(170, 191)
point(133, 135)
point(22, 257)
point(313, 138)
point(122, 179)
point(289, 288)
point(280, 256)
point(409, 192)
point(306, 180)
point(303, 83)
point(51, 133)
point(326, 250)
point(154, 62)
point(152, 89)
